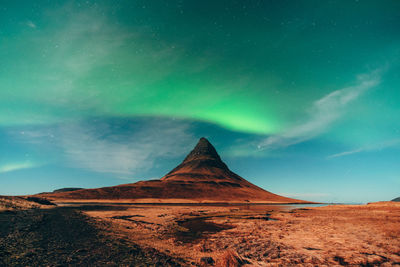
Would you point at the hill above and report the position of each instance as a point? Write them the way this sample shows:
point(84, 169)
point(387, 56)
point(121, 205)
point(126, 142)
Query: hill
point(66, 189)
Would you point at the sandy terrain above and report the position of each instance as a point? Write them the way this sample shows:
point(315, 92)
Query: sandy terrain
point(360, 235)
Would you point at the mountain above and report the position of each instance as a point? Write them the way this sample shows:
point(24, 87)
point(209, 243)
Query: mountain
point(396, 199)
point(201, 177)
point(201, 165)
point(65, 189)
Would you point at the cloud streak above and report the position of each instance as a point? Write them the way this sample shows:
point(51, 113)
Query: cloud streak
point(30, 24)
point(323, 113)
point(17, 166)
point(380, 146)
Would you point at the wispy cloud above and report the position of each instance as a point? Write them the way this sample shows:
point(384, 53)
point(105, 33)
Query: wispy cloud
point(100, 149)
point(323, 113)
point(9, 167)
point(380, 146)
point(30, 24)
point(119, 146)
point(84, 42)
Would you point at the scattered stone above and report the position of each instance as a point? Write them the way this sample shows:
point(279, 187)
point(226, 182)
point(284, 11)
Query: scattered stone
point(41, 201)
point(207, 261)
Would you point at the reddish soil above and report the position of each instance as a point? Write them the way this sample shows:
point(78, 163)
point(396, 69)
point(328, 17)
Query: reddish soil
point(167, 235)
point(352, 235)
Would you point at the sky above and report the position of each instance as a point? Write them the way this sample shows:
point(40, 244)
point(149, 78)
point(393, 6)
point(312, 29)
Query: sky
point(301, 98)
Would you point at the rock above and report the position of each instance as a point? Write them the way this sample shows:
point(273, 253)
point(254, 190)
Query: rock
point(40, 200)
point(232, 259)
point(207, 261)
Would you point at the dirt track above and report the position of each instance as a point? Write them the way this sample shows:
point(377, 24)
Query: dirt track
point(66, 237)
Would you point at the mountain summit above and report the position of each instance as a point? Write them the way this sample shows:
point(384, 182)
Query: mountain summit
point(202, 163)
point(204, 150)
point(202, 177)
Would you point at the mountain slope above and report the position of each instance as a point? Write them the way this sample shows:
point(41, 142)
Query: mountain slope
point(201, 177)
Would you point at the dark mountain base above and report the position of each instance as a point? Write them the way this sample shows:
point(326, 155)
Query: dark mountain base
point(66, 237)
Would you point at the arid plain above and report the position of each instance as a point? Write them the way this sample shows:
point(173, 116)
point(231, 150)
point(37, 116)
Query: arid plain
point(209, 235)
point(365, 235)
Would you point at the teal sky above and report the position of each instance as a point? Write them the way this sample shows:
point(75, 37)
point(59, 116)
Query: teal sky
point(299, 97)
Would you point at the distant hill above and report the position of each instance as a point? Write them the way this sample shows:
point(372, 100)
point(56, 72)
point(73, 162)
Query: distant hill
point(396, 199)
point(201, 177)
point(66, 189)
point(61, 190)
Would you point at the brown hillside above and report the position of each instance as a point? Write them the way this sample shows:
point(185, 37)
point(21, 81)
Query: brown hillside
point(202, 176)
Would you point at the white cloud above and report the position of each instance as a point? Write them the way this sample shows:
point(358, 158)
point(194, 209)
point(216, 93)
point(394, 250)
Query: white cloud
point(119, 146)
point(99, 148)
point(30, 24)
point(323, 113)
point(345, 153)
point(380, 146)
point(9, 167)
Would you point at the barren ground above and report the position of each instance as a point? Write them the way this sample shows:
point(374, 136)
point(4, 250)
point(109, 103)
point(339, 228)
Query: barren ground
point(167, 235)
point(66, 237)
point(361, 235)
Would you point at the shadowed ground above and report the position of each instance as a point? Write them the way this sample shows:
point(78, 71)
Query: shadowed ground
point(64, 236)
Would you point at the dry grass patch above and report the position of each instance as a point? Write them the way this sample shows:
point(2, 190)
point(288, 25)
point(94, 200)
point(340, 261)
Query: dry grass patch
point(230, 258)
point(10, 203)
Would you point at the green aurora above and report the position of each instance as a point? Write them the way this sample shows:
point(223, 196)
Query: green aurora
point(278, 73)
point(246, 73)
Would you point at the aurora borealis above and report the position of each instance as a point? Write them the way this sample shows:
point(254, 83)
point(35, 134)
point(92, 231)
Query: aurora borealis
point(299, 97)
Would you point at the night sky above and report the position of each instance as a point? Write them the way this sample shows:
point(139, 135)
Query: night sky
point(301, 98)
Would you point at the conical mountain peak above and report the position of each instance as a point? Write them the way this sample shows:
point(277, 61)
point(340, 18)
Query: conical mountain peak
point(202, 176)
point(204, 150)
point(202, 163)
